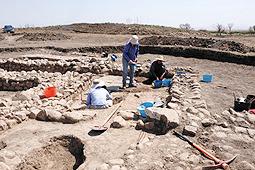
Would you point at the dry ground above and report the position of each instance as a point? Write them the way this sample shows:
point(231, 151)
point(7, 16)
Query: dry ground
point(32, 135)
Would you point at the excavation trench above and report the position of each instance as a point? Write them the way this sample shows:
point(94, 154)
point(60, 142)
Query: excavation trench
point(182, 51)
point(65, 152)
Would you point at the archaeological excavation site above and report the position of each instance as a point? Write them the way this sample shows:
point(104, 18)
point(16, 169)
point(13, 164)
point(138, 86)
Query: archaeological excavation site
point(201, 115)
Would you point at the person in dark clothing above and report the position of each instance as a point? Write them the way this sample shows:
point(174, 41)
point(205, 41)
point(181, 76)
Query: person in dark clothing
point(157, 70)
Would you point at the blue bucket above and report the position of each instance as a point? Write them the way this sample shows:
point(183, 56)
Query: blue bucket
point(143, 106)
point(207, 78)
point(157, 83)
point(166, 82)
point(141, 110)
point(147, 104)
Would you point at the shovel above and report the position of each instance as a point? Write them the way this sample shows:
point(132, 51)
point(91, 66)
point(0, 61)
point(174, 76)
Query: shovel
point(103, 127)
point(218, 163)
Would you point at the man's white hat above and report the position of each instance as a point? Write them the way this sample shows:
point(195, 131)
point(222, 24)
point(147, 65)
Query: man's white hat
point(101, 84)
point(160, 58)
point(96, 83)
point(134, 39)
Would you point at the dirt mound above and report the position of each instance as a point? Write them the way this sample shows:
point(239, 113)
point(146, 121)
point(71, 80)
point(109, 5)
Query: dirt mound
point(65, 152)
point(47, 36)
point(197, 42)
point(111, 28)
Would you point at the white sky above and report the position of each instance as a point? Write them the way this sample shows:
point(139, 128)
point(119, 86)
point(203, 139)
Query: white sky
point(200, 14)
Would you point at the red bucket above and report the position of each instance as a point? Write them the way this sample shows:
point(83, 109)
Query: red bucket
point(50, 92)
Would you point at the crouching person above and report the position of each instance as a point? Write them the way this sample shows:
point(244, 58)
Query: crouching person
point(158, 70)
point(98, 96)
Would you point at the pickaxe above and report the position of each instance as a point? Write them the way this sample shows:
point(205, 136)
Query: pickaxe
point(218, 163)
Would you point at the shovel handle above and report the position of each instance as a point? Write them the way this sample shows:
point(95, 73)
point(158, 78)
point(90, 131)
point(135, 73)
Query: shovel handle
point(201, 150)
point(110, 116)
point(207, 154)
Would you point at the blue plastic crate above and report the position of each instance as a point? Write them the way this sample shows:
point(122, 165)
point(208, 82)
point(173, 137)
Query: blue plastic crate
point(157, 83)
point(207, 78)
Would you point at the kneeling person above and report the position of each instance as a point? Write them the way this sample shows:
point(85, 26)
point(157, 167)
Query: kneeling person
point(157, 70)
point(99, 97)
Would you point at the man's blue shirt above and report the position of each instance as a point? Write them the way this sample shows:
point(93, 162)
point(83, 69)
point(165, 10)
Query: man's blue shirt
point(130, 52)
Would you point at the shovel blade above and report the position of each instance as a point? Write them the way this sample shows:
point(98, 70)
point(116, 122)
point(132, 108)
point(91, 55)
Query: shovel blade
point(99, 128)
point(231, 160)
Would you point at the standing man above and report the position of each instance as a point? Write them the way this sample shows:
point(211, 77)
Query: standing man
point(130, 53)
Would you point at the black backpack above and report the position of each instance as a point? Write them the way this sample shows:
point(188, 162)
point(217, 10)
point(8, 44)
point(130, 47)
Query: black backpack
point(248, 104)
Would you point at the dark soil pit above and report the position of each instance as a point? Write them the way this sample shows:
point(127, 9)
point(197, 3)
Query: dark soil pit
point(62, 153)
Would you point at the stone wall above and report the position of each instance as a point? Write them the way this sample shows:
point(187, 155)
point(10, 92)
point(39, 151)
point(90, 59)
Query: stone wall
point(42, 65)
point(93, 65)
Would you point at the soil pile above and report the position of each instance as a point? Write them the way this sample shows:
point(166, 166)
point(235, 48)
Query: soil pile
point(47, 36)
point(109, 28)
point(197, 42)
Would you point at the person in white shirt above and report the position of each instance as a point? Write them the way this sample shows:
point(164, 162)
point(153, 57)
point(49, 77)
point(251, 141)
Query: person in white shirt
point(98, 96)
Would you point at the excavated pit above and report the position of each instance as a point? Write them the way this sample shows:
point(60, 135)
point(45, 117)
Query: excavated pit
point(65, 152)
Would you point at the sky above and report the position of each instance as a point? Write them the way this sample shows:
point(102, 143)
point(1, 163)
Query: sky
point(200, 14)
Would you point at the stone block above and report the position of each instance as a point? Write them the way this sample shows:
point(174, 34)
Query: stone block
point(207, 122)
point(118, 122)
point(127, 114)
point(190, 131)
point(54, 115)
point(72, 117)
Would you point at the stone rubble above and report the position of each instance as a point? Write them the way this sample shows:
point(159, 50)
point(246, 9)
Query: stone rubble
point(27, 103)
point(186, 110)
point(30, 76)
point(233, 130)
